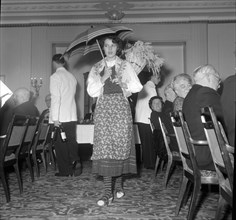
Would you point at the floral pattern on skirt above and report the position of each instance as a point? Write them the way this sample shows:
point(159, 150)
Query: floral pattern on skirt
point(113, 128)
point(114, 147)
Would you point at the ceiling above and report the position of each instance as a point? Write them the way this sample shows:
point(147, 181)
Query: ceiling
point(59, 12)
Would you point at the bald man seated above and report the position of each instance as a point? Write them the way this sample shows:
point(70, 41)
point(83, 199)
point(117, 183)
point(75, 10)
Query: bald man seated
point(19, 104)
point(203, 93)
point(24, 105)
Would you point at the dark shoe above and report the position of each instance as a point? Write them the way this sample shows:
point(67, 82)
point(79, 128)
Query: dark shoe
point(77, 168)
point(60, 174)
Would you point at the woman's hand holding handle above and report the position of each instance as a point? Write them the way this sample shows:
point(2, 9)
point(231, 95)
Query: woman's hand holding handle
point(107, 74)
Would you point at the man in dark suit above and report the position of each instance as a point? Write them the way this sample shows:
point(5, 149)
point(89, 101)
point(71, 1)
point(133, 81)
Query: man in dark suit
point(24, 105)
point(202, 94)
point(228, 105)
point(19, 104)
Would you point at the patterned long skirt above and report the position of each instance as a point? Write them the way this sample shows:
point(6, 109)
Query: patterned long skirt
point(114, 147)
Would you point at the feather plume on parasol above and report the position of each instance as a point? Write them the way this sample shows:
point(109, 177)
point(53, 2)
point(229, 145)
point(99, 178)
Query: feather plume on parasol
point(142, 54)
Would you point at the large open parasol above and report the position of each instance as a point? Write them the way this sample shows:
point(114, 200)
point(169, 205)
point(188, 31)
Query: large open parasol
point(139, 54)
point(87, 41)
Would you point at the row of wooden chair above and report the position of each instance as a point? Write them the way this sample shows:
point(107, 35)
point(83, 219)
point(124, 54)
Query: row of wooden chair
point(25, 138)
point(192, 174)
point(173, 157)
point(222, 155)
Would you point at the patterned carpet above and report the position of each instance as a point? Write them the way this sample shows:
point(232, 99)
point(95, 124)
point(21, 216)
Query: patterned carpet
point(72, 198)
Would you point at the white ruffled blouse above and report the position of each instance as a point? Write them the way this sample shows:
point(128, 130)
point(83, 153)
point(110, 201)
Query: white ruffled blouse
point(123, 69)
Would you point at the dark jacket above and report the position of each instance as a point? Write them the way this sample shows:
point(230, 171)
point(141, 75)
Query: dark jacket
point(7, 112)
point(228, 101)
point(197, 98)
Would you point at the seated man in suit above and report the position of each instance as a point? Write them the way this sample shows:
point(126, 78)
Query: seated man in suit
point(19, 104)
point(24, 105)
point(228, 100)
point(156, 105)
point(203, 93)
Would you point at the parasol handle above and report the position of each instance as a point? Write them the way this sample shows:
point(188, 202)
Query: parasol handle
point(101, 53)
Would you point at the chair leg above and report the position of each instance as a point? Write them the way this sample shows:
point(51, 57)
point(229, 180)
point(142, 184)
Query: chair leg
point(168, 170)
point(187, 194)
point(156, 165)
point(162, 165)
point(36, 164)
point(18, 175)
point(182, 192)
point(44, 160)
point(196, 189)
point(5, 184)
point(219, 208)
point(28, 160)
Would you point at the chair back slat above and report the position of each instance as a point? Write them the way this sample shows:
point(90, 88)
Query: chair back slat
point(29, 138)
point(43, 131)
point(17, 135)
point(180, 137)
point(30, 133)
point(164, 134)
point(218, 146)
point(212, 141)
point(222, 131)
point(184, 153)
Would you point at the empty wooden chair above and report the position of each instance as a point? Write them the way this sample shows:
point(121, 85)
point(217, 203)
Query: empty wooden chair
point(159, 161)
point(192, 174)
point(42, 145)
point(10, 145)
point(222, 158)
point(24, 153)
point(173, 156)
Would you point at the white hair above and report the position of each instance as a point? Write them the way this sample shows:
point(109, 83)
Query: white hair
point(21, 95)
point(203, 71)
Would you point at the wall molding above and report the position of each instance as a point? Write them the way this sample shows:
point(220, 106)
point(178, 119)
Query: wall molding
point(73, 12)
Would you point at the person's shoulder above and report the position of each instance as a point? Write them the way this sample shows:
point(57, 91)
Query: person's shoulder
point(205, 89)
point(55, 75)
point(99, 63)
point(230, 78)
point(125, 62)
point(230, 81)
point(97, 67)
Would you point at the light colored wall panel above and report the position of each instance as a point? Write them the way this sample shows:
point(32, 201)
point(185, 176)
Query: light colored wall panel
point(222, 48)
point(16, 56)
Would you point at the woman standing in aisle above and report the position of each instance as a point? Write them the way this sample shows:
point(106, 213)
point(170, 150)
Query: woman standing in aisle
point(112, 80)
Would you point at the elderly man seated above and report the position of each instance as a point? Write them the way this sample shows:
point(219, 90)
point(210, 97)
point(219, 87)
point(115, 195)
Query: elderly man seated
point(181, 84)
point(203, 93)
point(20, 104)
